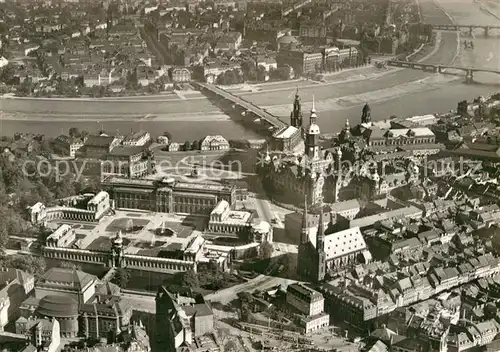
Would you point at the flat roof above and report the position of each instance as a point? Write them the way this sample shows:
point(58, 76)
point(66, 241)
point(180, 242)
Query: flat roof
point(201, 186)
point(346, 205)
point(237, 217)
point(372, 219)
point(419, 131)
point(128, 181)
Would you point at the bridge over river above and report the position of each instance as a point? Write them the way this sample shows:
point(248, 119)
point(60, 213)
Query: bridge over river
point(438, 68)
point(241, 103)
point(471, 27)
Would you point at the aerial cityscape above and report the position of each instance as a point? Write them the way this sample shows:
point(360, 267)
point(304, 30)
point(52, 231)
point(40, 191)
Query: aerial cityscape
point(249, 175)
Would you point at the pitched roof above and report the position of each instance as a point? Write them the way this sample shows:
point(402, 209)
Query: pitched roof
point(99, 141)
point(344, 242)
point(63, 276)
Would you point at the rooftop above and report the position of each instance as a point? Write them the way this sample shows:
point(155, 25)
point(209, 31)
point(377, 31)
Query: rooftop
point(66, 277)
point(286, 132)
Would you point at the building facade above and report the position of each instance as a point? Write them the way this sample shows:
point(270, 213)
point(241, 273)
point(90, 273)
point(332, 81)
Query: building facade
point(312, 306)
point(66, 145)
point(291, 176)
point(181, 317)
point(17, 285)
point(216, 142)
point(168, 195)
point(224, 220)
point(79, 302)
point(64, 236)
point(319, 253)
point(137, 139)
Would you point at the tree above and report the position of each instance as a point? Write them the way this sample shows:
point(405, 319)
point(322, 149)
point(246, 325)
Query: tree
point(198, 73)
point(45, 146)
point(7, 74)
point(266, 250)
point(261, 73)
point(462, 108)
point(168, 135)
point(190, 279)
point(187, 145)
point(25, 88)
point(29, 263)
point(132, 80)
point(65, 188)
point(121, 277)
point(249, 71)
point(74, 132)
point(4, 235)
point(229, 77)
point(280, 74)
point(230, 346)
point(195, 145)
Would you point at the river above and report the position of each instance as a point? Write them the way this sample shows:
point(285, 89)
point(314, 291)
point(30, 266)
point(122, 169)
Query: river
point(398, 92)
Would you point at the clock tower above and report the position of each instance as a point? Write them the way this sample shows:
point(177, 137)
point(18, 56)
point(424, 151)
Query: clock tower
point(312, 136)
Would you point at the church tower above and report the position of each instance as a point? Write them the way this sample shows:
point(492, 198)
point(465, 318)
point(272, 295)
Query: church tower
point(338, 181)
point(320, 248)
point(117, 250)
point(312, 136)
point(296, 114)
point(366, 117)
point(345, 134)
point(305, 248)
point(304, 234)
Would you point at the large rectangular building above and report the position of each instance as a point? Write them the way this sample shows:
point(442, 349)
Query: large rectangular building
point(168, 195)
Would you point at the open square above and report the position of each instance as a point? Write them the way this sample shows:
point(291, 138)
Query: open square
point(103, 243)
point(182, 231)
point(122, 223)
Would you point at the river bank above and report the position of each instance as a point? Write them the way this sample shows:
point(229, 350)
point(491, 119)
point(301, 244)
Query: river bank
point(427, 94)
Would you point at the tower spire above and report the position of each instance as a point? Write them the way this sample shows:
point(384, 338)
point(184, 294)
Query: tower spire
point(320, 237)
point(312, 135)
point(296, 114)
point(304, 237)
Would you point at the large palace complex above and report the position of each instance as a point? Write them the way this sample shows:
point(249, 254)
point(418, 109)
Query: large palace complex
point(168, 195)
point(297, 165)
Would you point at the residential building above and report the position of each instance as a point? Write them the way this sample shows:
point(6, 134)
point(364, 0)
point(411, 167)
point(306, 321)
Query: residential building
point(181, 75)
point(311, 304)
point(137, 139)
point(42, 333)
point(305, 299)
point(216, 142)
point(181, 317)
point(66, 145)
point(16, 286)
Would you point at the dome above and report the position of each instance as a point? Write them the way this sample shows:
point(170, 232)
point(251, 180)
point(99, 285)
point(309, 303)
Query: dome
point(261, 227)
point(313, 129)
point(169, 180)
point(287, 39)
point(58, 307)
